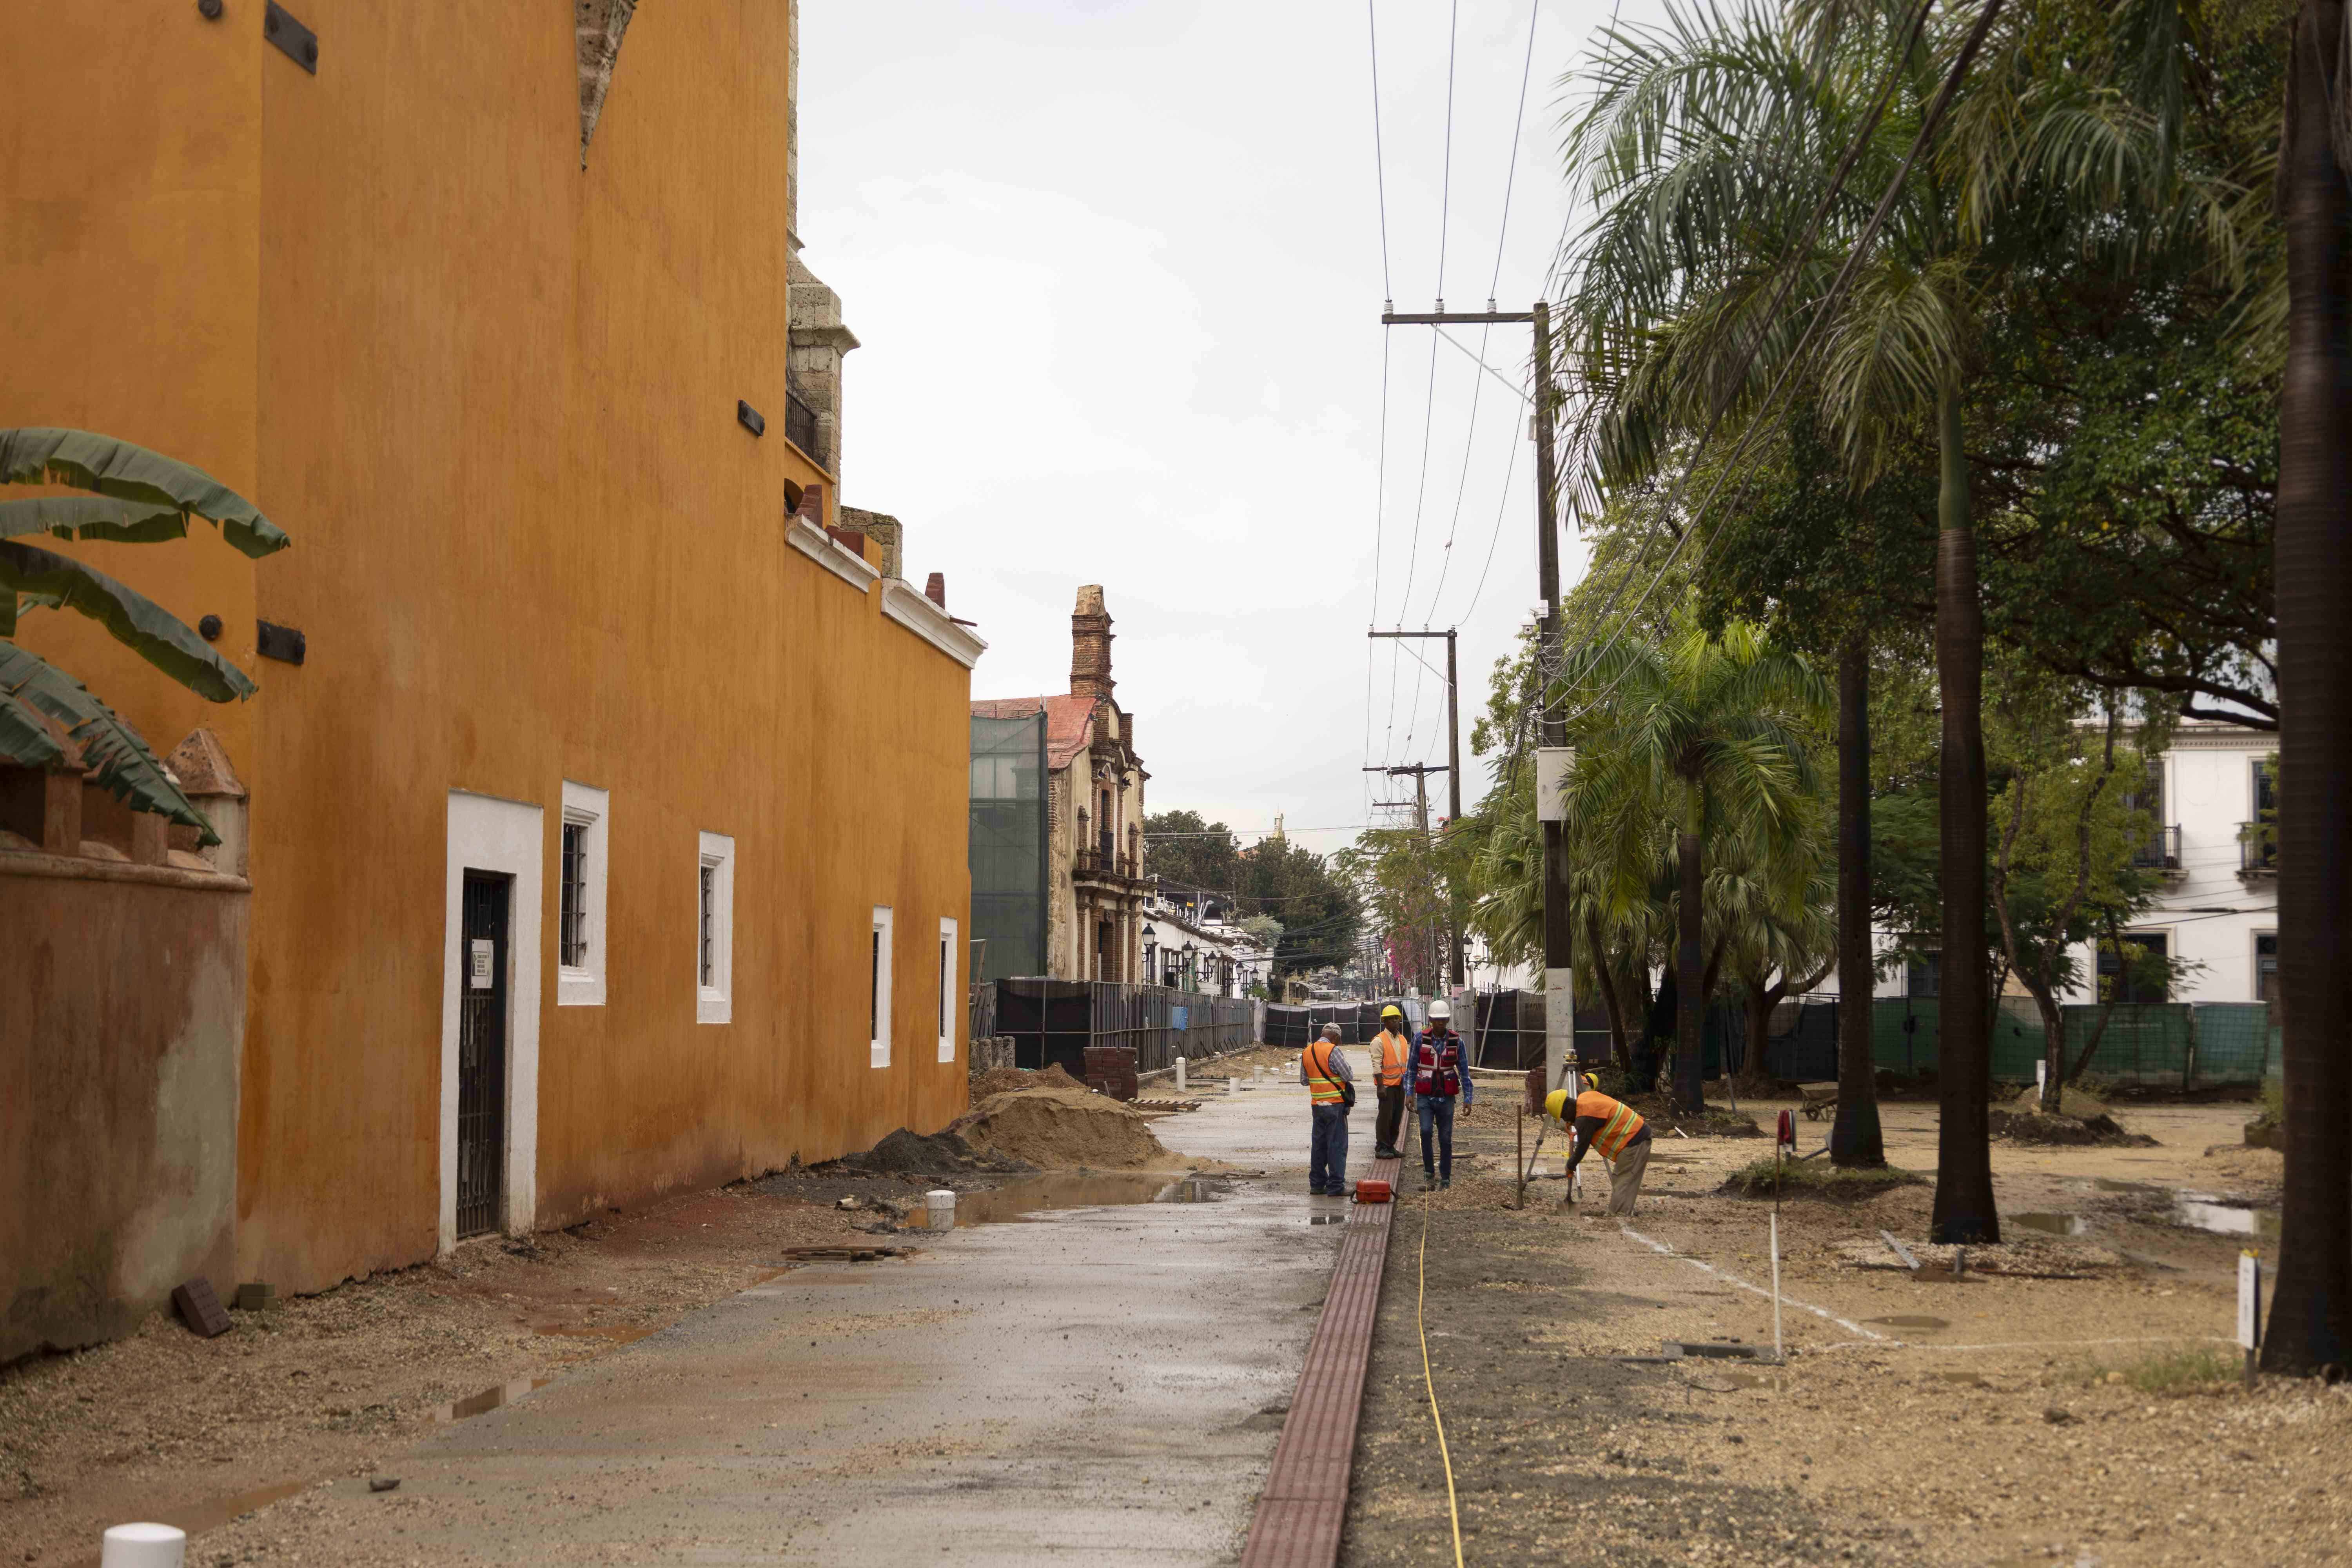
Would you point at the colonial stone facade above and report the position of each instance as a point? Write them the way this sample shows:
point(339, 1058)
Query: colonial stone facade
point(1094, 831)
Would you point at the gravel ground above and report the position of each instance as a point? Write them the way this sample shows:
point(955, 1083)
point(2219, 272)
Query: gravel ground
point(1993, 1420)
point(165, 1425)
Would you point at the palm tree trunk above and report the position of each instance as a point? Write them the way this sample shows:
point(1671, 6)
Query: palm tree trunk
point(1690, 1069)
point(1603, 965)
point(2311, 1316)
point(1964, 1208)
point(1855, 1139)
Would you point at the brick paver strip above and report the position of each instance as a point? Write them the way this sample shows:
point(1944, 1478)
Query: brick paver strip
point(1306, 1498)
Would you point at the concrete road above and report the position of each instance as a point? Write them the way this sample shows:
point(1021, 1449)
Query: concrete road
point(1092, 1385)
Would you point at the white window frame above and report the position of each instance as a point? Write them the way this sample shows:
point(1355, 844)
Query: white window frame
point(947, 989)
point(585, 806)
point(882, 960)
point(715, 1003)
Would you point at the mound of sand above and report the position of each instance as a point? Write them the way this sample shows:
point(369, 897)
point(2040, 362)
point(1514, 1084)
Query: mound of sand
point(1716, 1122)
point(1013, 1080)
point(1060, 1129)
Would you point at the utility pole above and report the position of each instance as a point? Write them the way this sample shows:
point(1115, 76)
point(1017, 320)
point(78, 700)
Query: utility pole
point(1453, 779)
point(1418, 773)
point(1560, 1002)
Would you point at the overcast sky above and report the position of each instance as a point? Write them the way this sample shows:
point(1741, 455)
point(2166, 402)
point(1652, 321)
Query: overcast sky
point(1117, 267)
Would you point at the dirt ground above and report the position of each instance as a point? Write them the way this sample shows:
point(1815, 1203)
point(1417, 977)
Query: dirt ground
point(1990, 1420)
point(164, 1425)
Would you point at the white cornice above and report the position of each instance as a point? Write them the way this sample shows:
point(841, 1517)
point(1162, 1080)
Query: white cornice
point(821, 547)
point(913, 610)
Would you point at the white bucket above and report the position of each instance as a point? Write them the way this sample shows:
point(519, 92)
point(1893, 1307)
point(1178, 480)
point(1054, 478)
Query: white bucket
point(939, 1208)
point(143, 1546)
point(1180, 1075)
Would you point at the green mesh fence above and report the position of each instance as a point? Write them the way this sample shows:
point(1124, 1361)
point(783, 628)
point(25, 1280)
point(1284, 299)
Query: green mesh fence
point(2235, 1043)
point(2168, 1044)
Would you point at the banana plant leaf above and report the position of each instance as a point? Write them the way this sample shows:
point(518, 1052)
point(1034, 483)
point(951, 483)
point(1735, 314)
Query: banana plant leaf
point(111, 749)
point(47, 579)
point(93, 517)
point(25, 740)
point(89, 461)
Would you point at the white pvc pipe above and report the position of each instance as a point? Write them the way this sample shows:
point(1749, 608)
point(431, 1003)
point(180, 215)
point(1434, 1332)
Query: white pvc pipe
point(143, 1546)
point(1776, 1287)
point(1180, 1075)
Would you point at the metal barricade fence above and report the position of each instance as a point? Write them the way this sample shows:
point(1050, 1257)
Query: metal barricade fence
point(1057, 1020)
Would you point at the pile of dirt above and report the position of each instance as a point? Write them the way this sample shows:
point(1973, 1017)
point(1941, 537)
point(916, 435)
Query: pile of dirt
point(2027, 1126)
point(905, 1154)
point(1794, 1179)
point(1714, 1121)
point(1013, 1080)
point(1059, 1129)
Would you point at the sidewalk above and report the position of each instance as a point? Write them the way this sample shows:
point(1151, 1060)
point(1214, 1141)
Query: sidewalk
point(1093, 1386)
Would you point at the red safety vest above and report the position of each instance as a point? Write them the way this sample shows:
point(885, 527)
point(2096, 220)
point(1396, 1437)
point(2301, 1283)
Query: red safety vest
point(1437, 1068)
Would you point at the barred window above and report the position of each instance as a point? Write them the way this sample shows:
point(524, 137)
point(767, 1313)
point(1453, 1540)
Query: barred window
point(572, 916)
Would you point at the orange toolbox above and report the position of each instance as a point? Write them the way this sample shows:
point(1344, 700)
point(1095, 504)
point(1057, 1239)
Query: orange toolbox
point(1371, 1192)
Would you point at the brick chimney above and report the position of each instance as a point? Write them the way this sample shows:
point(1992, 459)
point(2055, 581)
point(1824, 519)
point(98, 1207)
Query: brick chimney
point(935, 590)
point(1090, 645)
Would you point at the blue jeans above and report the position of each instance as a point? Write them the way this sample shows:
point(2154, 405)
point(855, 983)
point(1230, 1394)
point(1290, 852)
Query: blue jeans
point(1327, 1157)
point(1437, 1158)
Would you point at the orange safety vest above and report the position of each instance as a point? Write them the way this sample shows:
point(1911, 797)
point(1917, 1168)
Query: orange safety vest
point(1394, 1047)
point(1619, 1121)
point(1321, 1087)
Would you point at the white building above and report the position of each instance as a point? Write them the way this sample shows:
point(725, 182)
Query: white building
point(2211, 794)
point(2217, 909)
point(1187, 949)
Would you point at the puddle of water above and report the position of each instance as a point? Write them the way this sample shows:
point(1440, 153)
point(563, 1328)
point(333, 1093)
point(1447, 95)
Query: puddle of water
point(2223, 1220)
point(1910, 1322)
point(490, 1399)
point(2052, 1224)
point(2109, 1184)
point(1082, 1189)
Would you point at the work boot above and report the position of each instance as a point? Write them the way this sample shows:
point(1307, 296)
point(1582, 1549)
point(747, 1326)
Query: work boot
point(1445, 1181)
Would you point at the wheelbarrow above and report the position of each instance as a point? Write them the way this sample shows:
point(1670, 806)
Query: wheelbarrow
point(1821, 1100)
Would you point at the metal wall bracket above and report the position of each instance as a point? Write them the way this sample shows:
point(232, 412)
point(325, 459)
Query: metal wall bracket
point(751, 418)
point(294, 40)
point(281, 643)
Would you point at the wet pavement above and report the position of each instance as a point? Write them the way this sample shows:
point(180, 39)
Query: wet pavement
point(1100, 1385)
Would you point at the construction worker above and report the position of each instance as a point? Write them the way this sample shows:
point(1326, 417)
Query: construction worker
point(1390, 1046)
point(1613, 1127)
point(1331, 1088)
point(1440, 1078)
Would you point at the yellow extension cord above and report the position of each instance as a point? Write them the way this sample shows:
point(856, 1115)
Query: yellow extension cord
point(1421, 1295)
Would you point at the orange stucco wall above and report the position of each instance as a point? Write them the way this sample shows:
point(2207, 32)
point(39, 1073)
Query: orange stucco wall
point(492, 397)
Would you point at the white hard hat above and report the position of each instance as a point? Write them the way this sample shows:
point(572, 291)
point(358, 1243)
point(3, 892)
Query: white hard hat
point(1441, 1008)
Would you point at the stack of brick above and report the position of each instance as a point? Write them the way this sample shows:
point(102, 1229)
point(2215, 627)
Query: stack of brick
point(1110, 1069)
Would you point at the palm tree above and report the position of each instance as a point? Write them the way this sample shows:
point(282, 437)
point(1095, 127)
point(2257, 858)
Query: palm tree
point(48, 719)
point(1709, 147)
point(2311, 1317)
point(1713, 734)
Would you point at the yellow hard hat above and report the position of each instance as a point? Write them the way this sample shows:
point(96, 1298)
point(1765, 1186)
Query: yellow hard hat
point(1391, 1010)
point(1556, 1104)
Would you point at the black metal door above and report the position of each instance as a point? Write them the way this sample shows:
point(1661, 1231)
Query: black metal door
point(482, 1054)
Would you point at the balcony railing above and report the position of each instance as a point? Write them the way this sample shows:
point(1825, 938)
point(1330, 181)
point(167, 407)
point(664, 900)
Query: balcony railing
point(2160, 853)
point(2257, 848)
point(1099, 860)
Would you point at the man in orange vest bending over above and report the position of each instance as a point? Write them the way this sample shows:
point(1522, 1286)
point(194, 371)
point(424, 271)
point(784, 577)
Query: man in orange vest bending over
point(1389, 1049)
point(1331, 1087)
point(1617, 1131)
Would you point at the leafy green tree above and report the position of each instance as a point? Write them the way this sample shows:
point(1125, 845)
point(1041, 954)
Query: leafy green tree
point(136, 496)
point(1713, 734)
